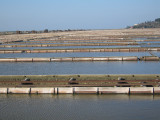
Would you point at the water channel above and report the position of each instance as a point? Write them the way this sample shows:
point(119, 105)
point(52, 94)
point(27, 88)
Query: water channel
point(79, 107)
point(69, 47)
point(50, 68)
point(77, 54)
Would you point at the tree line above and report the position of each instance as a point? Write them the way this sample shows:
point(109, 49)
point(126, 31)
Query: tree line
point(36, 31)
point(148, 24)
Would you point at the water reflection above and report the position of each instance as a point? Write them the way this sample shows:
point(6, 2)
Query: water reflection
point(88, 97)
point(70, 47)
point(79, 107)
point(50, 68)
point(77, 54)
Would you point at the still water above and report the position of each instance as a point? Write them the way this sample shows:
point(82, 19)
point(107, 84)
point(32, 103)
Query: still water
point(50, 68)
point(79, 107)
point(77, 54)
point(69, 47)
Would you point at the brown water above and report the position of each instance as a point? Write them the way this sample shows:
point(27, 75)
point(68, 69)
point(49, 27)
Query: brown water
point(79, 107)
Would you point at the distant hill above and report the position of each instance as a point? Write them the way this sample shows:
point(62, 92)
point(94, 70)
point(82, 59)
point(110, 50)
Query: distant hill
point(148, 24)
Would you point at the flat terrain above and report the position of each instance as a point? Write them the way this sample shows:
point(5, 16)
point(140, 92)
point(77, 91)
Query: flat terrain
point(80, 80)
point(84, 35)
point(95, 38)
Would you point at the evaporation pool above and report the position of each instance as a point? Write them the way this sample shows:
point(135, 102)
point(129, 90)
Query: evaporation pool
point(105, 67)
point(68, 47)
point(79, 107)
point(76, 54)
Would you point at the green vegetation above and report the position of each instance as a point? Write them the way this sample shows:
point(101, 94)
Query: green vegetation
point(148, 24)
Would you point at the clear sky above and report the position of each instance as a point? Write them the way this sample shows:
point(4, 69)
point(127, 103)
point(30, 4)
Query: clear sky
point(75, 14)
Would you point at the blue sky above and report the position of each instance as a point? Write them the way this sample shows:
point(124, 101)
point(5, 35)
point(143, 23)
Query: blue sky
point(75, 14)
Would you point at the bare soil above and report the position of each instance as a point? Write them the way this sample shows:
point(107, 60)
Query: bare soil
point(83, 35)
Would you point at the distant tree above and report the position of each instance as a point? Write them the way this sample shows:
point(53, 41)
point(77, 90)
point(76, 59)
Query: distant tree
point(157, 20)
point(148, 24)
point(33, 31)
point(46, 31)
point(128, 27)
point(18, 32)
